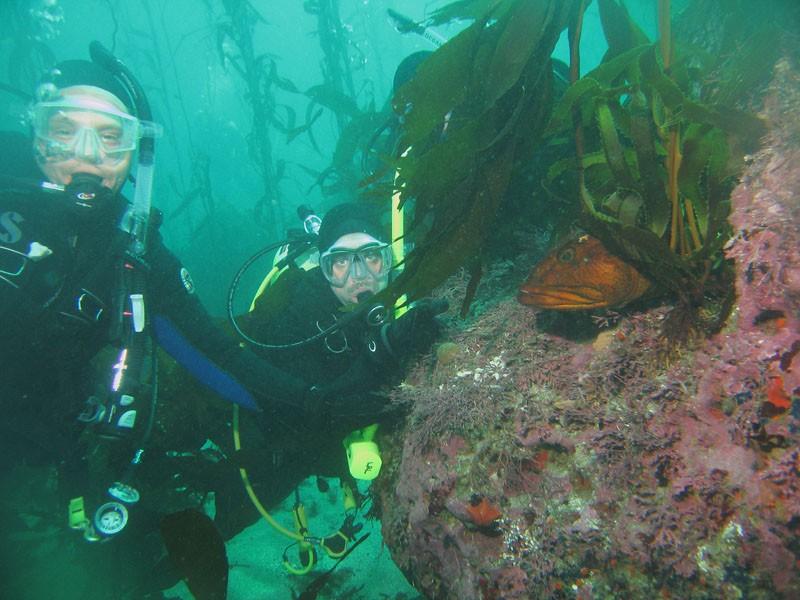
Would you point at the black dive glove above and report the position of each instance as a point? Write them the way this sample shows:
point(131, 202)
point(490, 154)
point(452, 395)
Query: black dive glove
point(320, 406)
point(414, 331)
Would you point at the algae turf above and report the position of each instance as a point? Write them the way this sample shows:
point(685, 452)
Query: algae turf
point(622, 466)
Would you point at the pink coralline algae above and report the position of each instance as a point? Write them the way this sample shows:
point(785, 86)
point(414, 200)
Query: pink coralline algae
point(619, 468)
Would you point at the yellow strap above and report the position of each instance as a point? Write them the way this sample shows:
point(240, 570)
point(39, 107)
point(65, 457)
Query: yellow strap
point(398, 227)
point(348, 498)
point(333, 553)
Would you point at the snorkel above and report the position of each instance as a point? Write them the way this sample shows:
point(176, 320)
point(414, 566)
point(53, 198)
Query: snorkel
point(136, 220)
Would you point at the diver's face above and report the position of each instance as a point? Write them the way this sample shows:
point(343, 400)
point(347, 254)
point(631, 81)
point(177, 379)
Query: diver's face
point(357, 278)
point(85, 141)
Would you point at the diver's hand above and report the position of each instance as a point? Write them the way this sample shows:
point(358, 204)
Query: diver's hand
point(412, 331)
point(320, 405)
point(429, 306)
point(314, 409)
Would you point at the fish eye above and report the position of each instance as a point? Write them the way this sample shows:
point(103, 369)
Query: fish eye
point(566, 255)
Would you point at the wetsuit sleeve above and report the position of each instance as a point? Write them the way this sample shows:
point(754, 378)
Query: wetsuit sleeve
point(362, 376)
point(175, 299)
point(388, 348)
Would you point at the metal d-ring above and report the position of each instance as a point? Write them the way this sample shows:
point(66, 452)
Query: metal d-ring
point(344, 347)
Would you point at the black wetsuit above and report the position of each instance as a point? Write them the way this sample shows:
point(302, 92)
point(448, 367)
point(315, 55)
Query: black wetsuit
point(299, 305)
point(55, 308)
point(54, 314)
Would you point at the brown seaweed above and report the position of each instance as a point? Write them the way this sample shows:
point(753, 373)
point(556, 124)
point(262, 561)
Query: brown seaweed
point(659, 121)
point(474, 112)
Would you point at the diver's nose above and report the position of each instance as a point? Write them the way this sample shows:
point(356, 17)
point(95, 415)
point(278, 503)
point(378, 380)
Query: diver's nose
point(87, 146)
point(358, 270)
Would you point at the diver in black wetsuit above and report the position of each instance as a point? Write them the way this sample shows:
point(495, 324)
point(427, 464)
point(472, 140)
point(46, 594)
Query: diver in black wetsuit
point(352, 362)
point(87, 290)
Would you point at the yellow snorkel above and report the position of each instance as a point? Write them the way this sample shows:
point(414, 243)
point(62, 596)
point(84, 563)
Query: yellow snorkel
point(398, 235)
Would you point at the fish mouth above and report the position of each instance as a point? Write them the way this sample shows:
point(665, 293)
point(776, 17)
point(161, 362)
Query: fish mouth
point(562, 298)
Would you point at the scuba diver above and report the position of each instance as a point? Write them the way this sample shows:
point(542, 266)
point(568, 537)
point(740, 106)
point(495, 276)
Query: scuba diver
point(320, 322)
point(356, 357)
point(87, 291)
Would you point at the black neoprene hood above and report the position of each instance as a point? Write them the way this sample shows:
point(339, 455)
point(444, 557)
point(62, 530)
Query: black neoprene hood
point(84, 72)
point(347, 218)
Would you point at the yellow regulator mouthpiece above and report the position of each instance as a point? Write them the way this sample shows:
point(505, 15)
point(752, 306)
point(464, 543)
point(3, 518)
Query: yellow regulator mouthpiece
point(363, 455)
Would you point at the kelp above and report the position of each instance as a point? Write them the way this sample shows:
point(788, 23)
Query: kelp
point(332, 98)
point(259, 74)
point(199, 188)
point(472, 115)
point(621, 31)
point(658, 123)
point(338, 92)
point(345, 174)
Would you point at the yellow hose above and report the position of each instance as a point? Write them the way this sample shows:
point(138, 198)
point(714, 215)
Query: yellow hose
point(249, 488)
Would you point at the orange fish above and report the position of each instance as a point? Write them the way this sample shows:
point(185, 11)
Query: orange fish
point(582, 275)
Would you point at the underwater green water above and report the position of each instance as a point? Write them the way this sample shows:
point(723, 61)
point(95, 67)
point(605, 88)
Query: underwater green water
point(231, 172)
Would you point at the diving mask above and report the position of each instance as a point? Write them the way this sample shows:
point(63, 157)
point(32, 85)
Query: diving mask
point(88, 129)
point(372, 260)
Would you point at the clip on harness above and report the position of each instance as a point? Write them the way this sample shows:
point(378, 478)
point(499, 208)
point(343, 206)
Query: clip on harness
point(133, 375)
